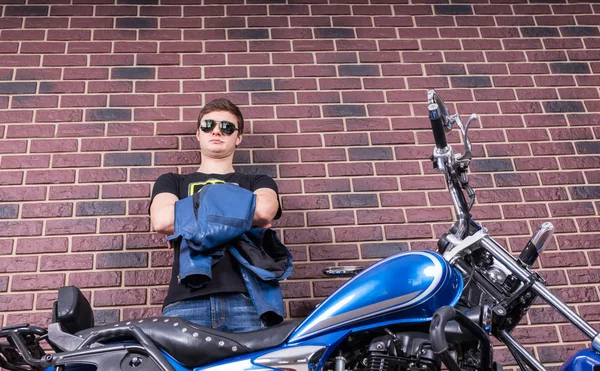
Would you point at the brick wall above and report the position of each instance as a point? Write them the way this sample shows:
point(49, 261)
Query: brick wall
point(98, 99)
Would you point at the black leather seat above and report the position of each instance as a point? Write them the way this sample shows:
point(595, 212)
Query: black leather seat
point(193, 345)
point(190, 344)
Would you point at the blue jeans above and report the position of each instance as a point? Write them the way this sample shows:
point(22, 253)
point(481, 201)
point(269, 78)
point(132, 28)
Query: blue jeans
point(230, 312)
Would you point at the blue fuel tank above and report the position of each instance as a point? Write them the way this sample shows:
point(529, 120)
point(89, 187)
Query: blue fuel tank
point(404, 288)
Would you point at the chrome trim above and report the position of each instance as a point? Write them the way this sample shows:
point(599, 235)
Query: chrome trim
point(464, 247)
point(301, 358)
point(369, 310)
point(596, 342)
point(342, 271)
point(542, 237)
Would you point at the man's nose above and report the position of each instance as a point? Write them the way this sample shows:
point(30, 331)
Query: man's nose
point(216, 129)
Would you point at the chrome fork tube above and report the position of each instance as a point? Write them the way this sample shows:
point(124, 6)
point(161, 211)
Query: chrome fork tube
point(524, 275)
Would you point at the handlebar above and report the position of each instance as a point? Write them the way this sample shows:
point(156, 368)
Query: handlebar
point(437, 125)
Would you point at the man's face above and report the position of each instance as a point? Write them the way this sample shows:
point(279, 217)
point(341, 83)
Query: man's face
point(215, 143)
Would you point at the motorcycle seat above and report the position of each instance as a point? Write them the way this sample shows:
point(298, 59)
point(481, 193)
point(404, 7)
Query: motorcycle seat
point(193, 345)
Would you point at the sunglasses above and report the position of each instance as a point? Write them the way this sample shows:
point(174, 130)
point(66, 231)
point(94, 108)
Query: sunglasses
point(226, 127)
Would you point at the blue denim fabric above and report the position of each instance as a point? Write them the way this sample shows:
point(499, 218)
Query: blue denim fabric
point(224, 215)
point(225, 211)
point(224, 312)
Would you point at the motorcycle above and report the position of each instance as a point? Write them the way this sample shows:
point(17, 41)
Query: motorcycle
point(416, 310)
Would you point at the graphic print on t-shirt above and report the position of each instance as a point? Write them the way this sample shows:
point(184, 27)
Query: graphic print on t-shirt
point(197, 186)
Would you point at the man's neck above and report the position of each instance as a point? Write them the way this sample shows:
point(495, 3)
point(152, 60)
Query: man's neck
point(216, 166)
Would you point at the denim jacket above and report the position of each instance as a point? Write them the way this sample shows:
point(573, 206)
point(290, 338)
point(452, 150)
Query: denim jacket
point(219, 217)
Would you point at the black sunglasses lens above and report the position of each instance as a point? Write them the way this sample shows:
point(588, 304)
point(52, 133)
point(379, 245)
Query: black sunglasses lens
point(207, 125)
point(227, 127)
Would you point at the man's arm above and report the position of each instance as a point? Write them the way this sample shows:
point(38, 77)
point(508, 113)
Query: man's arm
point(267, 205)
point(162, 213)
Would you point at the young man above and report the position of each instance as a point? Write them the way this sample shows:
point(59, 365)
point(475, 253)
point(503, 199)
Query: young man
point(223, 303)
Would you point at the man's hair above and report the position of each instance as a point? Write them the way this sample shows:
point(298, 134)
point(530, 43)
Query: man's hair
point(223, 104)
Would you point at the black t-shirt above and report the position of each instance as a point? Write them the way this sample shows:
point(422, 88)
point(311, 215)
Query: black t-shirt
point(226, 276)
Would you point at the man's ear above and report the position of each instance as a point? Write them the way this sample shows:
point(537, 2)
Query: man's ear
point(238, 140)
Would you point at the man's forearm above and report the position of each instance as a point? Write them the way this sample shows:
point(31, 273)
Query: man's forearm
point(162, 213)
point(266, 209)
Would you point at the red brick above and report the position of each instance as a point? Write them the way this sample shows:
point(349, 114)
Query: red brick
point(73, 192)
point(131, 100)
point(330, 218)
point(135, 47)
point(125, 190)
point(162, 258)
point(135, 313)
point(13, 146)
point(156, 114)
point(545, 194)
point(354, 234)
point(37, 74)
point(104, 144)
point(145, 241)
point(313, 235)
point(62, 115)
point(14, 116)
point(26, 101)
point(180, 100)
point(96, 243)
point(47, 210)
point(85, 74)
point(64, 60)
point(302, 170)
point(83, 101)
point(75, 226)
point(24, 162)
point(111, 60)
point(310, 270)
point(401, 232)
point(131, 224)
point(11, 177)
point(16, 302)
point(102, 175)
point(354, 200)
point(18, 264)
point(375, 184)
point(138, 207)
point(580, 162)
point(119, 297)
point(205, 34)
point(177, 158)
point(326, 185)
point(95, 279)
point(305, 202)
point(42, 245)
point(147, 278)
point(37, 282)
point(505, 228)
point(387, 216)
point(520, 212)
point(428, 215)
point(76, 160)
